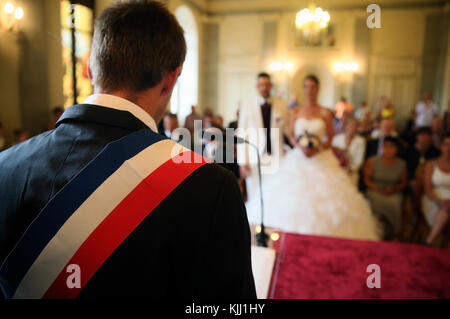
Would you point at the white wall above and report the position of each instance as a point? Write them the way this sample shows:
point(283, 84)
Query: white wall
point(240, 42)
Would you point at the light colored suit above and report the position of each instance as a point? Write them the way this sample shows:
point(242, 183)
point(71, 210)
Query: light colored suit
point(251, 128)
point(355, 152)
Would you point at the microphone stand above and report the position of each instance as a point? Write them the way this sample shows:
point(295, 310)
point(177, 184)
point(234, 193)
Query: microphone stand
point(261, 237)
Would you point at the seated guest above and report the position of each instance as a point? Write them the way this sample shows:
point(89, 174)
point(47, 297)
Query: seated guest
point(409, 133)
point(386, 127)
point(385, 177)
point(208, 112)
point(56, 114)
point(363, 111)
point(191, 118)
point(423, 150)
point(436, 201)
point(170, 122)
point(375, 145)
point(437, 129)
point(21, 135)
point(446, 124)
point(426, 110)
point(382, 102)
point(219, 121)
point(366, 125)
point(209, 121)
point(341, 107)
point(339, 123)
point(170, 125)
point(388, 111)
point(354, 147)
point(234, 124)
point(416, 156)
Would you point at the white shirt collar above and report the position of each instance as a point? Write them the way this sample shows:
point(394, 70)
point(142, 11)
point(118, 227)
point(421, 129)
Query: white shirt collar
point(262, 100)
point(118, 103)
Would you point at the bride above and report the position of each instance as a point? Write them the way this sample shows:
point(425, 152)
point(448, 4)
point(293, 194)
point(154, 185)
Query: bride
point(311, 193)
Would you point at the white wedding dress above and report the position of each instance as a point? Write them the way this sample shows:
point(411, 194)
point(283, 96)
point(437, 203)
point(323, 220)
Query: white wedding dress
point(314, 195)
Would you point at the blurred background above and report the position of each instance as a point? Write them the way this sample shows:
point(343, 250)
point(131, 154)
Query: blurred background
point(44, 49)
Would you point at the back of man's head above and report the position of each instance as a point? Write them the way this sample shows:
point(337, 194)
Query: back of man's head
point(135, 44)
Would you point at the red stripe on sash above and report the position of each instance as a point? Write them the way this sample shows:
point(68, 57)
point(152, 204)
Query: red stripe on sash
point(120, 223)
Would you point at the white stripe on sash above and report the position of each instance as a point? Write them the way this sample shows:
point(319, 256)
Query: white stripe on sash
point(89, 215)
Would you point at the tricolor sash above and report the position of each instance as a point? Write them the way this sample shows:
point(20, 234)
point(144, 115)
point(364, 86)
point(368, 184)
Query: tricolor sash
point(94, 213)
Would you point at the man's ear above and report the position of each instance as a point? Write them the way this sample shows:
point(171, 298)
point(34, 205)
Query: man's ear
point(170, 80)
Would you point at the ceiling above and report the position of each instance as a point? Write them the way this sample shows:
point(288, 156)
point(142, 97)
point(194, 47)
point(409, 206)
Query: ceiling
point(244, 6)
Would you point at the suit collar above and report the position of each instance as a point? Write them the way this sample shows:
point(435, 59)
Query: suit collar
point(102, 115)
point(121, 104)
point(262, 100)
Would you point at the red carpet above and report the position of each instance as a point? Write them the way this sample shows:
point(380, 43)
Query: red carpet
point(322, 267)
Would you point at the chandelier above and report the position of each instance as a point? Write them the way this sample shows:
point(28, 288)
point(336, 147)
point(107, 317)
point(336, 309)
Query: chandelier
point(10, 15)
point(311, 24)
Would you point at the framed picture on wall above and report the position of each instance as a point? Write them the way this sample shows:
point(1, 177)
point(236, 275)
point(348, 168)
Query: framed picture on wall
point(314, 37)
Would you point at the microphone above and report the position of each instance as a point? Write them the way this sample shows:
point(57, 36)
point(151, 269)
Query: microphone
point(240, 140)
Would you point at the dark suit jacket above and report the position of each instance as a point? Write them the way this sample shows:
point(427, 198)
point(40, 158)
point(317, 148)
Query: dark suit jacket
point(413, 158)
point(195, 244)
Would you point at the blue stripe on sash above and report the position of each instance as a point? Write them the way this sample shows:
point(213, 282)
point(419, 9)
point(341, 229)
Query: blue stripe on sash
point(46, 224)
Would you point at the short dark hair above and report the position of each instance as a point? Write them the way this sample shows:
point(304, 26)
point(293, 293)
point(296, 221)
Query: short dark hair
point(424, 130)
point(393, 140)
point(263, 75)
point(446, 135)
point(313, 78)
point(171, 116)
point(135, 44)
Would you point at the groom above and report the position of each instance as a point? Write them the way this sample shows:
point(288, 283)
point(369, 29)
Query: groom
point(102, 206)
point(263, 121)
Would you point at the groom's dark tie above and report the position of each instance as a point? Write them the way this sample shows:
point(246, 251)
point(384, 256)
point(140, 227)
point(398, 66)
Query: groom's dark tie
point(266, 110)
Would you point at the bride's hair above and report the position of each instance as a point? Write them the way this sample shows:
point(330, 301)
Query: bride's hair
point(313, 78)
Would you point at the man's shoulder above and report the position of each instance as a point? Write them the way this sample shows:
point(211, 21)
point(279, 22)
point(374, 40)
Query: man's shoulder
point(207, 185)
point(212, 172)
point(250, 100)
point(26, 148)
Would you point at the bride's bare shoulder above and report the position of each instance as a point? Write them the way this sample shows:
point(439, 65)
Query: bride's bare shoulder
point(295, 111)
point(326, 113)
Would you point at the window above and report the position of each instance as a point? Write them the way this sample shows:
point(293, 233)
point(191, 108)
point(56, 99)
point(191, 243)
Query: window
point(77, 20)
point(185, 93)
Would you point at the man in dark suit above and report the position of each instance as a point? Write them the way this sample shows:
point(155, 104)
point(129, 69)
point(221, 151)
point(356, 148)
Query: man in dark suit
point(375, 145)
point(421, 151)
point(196, 242)
point(170, 121)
